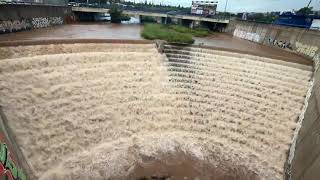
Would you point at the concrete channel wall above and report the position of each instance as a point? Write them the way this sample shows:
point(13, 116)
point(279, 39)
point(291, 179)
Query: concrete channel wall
point(23, 17)
point(305, 164)
point(299, 40)
point(304, 156)
point(12, 162)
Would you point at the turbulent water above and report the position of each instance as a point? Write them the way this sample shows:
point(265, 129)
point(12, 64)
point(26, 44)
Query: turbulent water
point(124, 111)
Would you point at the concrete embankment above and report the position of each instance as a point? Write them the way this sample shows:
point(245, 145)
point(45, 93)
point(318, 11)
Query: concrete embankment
point(23, 17)
point(302, 41)
point(304, 158)
point(84, 111)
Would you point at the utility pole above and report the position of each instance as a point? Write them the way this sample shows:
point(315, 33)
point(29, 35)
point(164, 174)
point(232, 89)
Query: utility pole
point(309, 3)
point(225, 8)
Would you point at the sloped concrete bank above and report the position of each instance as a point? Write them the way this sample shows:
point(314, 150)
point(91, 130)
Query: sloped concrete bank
point(121, 110)
point(302, 41)
point(304, 156)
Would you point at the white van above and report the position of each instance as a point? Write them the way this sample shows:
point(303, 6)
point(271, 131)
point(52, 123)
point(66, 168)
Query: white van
point(103, 17)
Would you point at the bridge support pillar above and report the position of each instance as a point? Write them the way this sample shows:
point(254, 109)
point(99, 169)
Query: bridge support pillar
point(165, 20)
point(138, 18)
point(159, 20)
point(175, 21)
point(194, 24)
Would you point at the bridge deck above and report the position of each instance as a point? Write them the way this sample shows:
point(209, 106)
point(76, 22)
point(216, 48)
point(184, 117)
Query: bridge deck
point(153, 14)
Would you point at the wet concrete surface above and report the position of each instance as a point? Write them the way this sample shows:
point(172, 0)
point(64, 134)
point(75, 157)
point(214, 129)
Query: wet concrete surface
point(132, 32)
point(223, 40)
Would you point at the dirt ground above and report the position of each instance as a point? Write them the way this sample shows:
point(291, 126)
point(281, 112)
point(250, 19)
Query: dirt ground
point(124, 111)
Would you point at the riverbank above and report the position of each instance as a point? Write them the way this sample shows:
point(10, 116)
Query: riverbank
point(132, 32)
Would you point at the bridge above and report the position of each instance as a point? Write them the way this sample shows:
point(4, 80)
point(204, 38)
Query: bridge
point(165, 18)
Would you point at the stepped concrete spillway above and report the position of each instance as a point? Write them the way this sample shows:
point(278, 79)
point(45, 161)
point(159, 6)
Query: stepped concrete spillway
point(125, 111)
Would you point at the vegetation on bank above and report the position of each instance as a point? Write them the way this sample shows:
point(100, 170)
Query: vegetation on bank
point(198, 32)
point(172, 33)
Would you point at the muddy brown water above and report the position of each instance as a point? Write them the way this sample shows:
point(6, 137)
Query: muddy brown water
point(171, 166)
point(132, 32)
point(76, 31)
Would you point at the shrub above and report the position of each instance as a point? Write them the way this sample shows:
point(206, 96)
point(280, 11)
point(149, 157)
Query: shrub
point(116, 15)
point(157, 31)
point(198, 32)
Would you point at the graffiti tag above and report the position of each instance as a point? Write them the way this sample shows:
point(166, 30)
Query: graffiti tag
point(7, 165)
point(247, 35)
point(24, 24)
point(42, 22)
point(306, 49)
point(316, 60)
point(14, 25)
point(280, 44)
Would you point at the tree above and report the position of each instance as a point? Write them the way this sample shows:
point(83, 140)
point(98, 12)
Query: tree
point(115, 14)
point(305, 11)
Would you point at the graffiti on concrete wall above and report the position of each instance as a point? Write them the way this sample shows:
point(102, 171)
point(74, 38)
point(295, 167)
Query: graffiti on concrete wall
point(42, 22)
point(310, 51)
point(14, 25)
point(55, 20)
point(247, 35)
point(8, 166)
point(280, 44)
point(24, 24)
point(305, 49)
point(316, 60)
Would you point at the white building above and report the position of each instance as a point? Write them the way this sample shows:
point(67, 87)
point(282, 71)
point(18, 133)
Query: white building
point(204, 7)
point(315, 24)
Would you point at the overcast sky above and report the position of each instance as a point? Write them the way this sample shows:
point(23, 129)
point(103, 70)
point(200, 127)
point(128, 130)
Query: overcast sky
point(249, 5)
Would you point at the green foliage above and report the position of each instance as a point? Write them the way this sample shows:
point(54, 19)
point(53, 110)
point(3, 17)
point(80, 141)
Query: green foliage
point(116, 15)
point(305, 11)
point(263, 18)
point(125, 17)
point(148, 19)
point(157, 31)
point(198, 32)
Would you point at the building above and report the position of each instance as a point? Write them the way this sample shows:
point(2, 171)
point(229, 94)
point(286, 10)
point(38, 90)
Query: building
point(302, 21)
point(205, 8)
point(315, 24)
